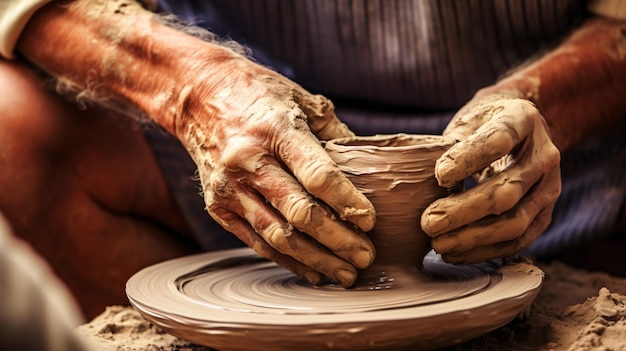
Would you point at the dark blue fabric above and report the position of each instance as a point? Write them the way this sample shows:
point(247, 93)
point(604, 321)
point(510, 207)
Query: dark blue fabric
point(202, 14)
point(180, 172)
point(593, 173)
point(594, 189)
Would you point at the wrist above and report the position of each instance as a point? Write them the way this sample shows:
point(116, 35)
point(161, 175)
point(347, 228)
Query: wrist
point(578, 86)
point(181, 74)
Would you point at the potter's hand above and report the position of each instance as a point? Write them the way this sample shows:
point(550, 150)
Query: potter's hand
point(267, 179)
point(265, 176)
point(505, 143)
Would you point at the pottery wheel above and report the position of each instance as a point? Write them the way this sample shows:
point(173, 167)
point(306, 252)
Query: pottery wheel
point(235, 300)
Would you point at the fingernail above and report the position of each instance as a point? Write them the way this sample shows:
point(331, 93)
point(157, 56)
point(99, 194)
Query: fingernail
point(363, 218)
point(445, 172)
point(314, 278)
point(435, 222)
point(443, 244)
point(453, 258)
point(345, 277)
point(362, 258)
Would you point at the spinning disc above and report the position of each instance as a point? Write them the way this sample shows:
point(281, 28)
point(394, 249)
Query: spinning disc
point(235, 300)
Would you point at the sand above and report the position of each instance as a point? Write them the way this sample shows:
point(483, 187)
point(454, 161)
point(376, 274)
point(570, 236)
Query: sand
point(575, 310)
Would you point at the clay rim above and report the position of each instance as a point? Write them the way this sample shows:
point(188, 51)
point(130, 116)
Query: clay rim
point(389, 142)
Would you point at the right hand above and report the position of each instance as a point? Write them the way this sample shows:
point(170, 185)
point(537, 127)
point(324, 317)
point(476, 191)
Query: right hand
point(265, 175)
point(505, 142)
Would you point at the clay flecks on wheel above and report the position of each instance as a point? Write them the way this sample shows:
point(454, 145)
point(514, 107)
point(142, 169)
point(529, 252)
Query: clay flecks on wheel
point(234, 300)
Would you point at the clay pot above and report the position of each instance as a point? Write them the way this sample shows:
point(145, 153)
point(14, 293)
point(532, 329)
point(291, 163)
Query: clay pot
point(396, 173)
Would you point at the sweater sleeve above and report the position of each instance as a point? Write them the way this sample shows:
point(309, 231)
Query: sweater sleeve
point(14, 14)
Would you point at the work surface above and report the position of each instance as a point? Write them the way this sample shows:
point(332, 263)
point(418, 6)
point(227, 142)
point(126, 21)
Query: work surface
point(575, 310)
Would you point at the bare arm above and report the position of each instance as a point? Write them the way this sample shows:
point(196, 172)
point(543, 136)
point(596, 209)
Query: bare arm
point(512, 133)
point(579, 87)
point(113, 50)
point(252, 132)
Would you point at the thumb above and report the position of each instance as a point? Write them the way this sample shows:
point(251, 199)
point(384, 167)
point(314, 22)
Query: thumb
point(321, 116)
point(474, 114)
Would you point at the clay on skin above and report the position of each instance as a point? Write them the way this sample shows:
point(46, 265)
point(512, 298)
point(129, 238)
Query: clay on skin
point(231, 300)
point(229, 169)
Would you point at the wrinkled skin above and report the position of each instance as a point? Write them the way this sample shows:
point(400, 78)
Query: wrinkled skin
point(505, 143)
point(252, 132)
point(267, 179)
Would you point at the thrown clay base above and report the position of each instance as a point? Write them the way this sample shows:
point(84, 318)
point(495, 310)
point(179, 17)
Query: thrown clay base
point(235, 300)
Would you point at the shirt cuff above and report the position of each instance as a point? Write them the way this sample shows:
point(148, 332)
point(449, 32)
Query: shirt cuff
point(14, 14)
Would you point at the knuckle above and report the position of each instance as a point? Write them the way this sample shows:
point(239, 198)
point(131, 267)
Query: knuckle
point(222, 216)
point(298, 210)
point(508, 138)
point(506, 195)
point(322, 177)
point(524, 107)
point(553, 156)
point(527, 105)
point(243, 154)
point(216, 186)
point(517, 224)
point(556, 193)
point(276, 236)
point(550, 196)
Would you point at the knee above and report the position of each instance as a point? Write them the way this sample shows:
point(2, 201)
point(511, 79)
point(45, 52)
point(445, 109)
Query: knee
point(31, 139)
point(28, 109)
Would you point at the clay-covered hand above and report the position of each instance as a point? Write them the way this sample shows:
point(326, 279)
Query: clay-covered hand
point(266, 177)
point(505, 143)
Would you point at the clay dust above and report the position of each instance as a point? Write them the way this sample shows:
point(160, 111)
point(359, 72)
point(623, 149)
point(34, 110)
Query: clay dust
point(575, 310)
point(569, 313)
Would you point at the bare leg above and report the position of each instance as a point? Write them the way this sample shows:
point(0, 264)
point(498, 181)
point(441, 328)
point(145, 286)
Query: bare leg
point(84, 189)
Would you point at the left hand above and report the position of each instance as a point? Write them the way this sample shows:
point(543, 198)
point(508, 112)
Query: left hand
point(505, 143)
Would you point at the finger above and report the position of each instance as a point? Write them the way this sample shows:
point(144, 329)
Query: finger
point(319, 175)
point(501, 192)
point(321, 118)
point(309, 216)
point(492, 231)
point(503, 249)
point(474, 114)
point(267, 233)
point(491, 197)
point(242, 229)
point(488, 143)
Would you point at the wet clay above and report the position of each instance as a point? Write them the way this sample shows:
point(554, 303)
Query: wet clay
point(235, 300)
point(407, 299)
point(397, 174)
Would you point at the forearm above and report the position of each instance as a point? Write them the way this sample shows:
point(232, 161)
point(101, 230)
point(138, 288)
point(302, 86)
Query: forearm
point(580, 86)
point(119, 51)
